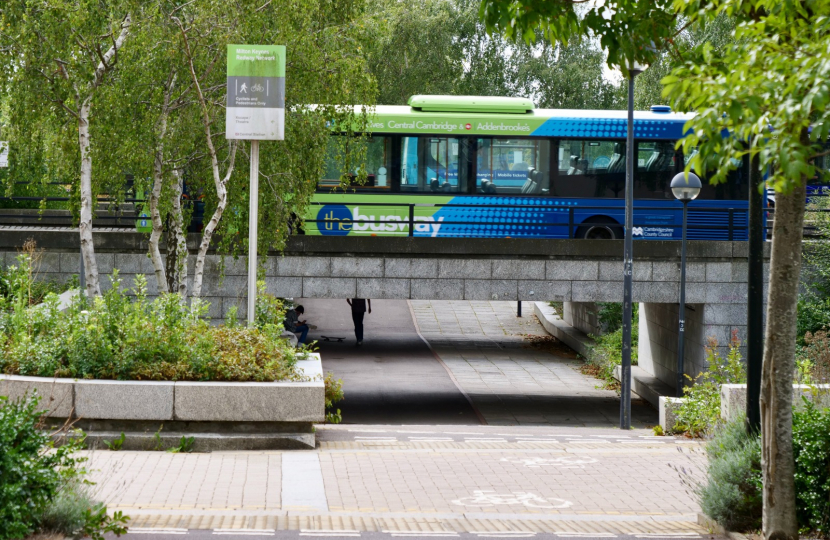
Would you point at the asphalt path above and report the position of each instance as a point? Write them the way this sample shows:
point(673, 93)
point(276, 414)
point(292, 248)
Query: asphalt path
point(393, 378)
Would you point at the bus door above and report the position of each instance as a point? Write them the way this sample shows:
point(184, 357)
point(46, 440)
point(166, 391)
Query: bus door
point(432, 164)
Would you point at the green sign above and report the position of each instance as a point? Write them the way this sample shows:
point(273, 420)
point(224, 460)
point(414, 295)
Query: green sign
point(256, 92)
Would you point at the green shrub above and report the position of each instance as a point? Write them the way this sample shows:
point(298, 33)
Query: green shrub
point(117, 336)
point(700, 411)
point(811, 446)
point(606, 353)
point(334, 394)
point(31, 473)
point(732, 492)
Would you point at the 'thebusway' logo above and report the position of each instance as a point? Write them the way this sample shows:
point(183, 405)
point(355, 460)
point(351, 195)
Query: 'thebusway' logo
point(336, 220)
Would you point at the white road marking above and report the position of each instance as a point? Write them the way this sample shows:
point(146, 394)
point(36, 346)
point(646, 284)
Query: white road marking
point(537, 441)
point(329, 532)
point(151, 530)
point(423, 439)
point(642, 442)
point(593, 441)
point(245, 532)
point(530, 500)
point(563, 462)
point(611, 436)
point(504, 534)
point(482, 439)
point(575, 534)
point(377, 438)
point(422, 534)
point(461, 433)
point(668, 535)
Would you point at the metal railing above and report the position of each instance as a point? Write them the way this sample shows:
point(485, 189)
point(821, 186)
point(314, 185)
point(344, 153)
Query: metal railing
point(126, 218)
point(731, 227)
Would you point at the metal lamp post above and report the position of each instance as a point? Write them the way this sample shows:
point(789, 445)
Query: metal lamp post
point(685, 187)
point(628, 256)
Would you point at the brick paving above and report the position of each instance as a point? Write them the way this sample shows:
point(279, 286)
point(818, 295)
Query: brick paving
point(617, 485)
point(510, 382)
point(580, 475)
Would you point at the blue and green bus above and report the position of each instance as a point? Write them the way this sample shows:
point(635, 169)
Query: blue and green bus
point(489, 167)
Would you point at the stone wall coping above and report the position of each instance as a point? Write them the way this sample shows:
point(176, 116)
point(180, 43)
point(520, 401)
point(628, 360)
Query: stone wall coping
point(134, 242)
point(279, 401)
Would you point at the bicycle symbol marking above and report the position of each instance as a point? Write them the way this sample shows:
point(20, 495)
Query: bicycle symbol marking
point(564, 462)
point(530, 500)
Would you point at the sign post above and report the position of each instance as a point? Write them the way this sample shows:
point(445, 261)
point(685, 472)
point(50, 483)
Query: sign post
point(255, 112)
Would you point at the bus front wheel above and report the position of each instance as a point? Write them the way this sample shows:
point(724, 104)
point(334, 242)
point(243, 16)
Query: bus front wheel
point(599, 228)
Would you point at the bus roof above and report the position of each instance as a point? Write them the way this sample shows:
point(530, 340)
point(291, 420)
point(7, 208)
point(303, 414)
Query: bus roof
point(512, 117)
point(484, 104)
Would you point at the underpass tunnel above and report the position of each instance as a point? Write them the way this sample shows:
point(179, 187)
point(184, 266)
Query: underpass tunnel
point(458, 362)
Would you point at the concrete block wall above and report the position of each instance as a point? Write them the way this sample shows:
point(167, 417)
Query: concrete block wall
point(583, 316)
point(657, 347)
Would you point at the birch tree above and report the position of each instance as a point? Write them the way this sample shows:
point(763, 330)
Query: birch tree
point(56, 56)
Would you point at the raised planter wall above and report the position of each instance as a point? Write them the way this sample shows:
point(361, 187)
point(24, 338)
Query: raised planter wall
point(219, 415)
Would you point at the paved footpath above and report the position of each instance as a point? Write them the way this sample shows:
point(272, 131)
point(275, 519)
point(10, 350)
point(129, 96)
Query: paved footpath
point(406, 479)
point(550, 462)
point(486, 348)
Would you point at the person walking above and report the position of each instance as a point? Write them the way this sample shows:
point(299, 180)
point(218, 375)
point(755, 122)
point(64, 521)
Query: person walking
point(358, 312)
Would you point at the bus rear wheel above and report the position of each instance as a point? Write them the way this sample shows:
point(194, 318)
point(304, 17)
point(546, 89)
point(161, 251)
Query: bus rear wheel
point(599, 229)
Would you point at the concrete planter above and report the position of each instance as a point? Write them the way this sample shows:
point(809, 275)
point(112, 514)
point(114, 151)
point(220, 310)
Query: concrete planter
point(733, 398)
point(218, 415)
point(733, 401)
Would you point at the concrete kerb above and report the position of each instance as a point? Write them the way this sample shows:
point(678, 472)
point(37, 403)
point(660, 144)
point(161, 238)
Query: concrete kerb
point(218, 415)
point(564, 332)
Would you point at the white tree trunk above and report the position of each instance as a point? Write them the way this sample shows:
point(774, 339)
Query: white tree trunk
point(93, 287)
point(177, 241)
point(210, 228)
point(777, 462)
point(158, 184)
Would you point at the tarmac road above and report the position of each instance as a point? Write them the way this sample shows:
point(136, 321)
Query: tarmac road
point(393, 378)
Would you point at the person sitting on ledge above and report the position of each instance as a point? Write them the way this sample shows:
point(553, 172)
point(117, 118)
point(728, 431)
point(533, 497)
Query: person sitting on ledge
point(295, 325)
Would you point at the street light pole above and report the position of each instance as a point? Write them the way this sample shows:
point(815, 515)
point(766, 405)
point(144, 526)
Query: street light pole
point(628, 256)
point(681, 313)
point(685, 189)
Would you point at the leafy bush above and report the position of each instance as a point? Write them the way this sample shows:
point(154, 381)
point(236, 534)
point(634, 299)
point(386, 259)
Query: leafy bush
point(21, 280)
point(606, 353)
point(131, 338)
point(29, 475)
point(813, 360)
point(700, 412)
point(732, 493)
point(334, 393)
point(813, 315)
point(40, 486)
point(811, 446)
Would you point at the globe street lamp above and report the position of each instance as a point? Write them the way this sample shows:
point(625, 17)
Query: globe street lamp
point(685, 187)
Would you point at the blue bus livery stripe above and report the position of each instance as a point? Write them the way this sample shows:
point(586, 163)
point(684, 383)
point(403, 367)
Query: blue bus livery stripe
point(609, 128)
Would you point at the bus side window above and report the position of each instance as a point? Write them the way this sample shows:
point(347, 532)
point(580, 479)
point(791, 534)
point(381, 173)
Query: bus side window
point(657, 163)
point(589, 168)
point(373, 153)
point(433, 164)
point(512, 166)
